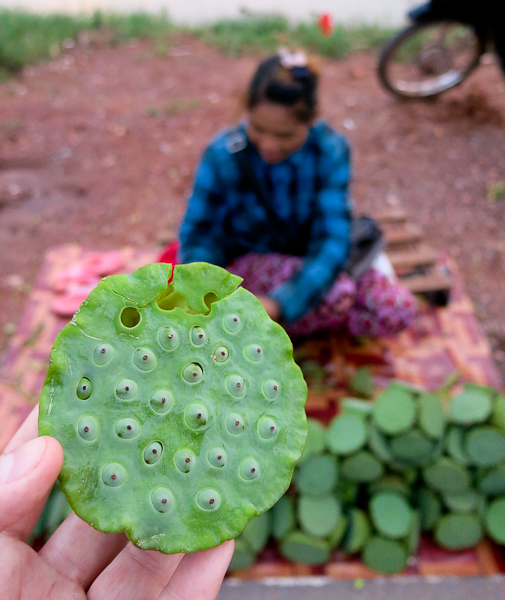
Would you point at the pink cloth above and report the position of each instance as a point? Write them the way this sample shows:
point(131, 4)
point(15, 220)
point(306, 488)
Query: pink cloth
point(372, 306)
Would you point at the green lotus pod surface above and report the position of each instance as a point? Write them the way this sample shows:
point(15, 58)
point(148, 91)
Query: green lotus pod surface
point(358, 531)
point(495, 520)
point(470, 407)
point(458, 531)
point(305, 548)
point(385, 555)
point(317, 475)
point(283, 517)
point(179, 407)
point(346, 434)
point(485, 445)
point(394, 411)
point(319, 515)
point(447, 476)
point(391, 514)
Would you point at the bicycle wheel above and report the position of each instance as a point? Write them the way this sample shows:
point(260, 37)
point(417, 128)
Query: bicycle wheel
point(427, 59)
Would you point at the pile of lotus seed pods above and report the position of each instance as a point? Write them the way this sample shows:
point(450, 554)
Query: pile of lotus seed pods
point(383, 472)
point(179, 407)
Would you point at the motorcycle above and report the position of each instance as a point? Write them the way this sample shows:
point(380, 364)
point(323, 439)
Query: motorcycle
point(441, 47)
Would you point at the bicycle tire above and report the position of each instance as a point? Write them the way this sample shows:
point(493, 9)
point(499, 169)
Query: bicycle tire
point(438, 85)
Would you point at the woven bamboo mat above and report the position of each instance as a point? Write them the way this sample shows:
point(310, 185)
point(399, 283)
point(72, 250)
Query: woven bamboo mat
point(442, 341)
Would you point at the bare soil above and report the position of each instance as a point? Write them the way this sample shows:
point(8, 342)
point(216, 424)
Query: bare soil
point(99, 147)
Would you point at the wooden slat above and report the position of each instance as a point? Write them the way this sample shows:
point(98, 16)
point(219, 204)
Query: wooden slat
point(390, 215)
point(421, 256)
point(404, 234)
point(432, 282)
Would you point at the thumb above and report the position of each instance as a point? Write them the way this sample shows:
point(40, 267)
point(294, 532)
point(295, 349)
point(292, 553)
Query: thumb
point(27, 475)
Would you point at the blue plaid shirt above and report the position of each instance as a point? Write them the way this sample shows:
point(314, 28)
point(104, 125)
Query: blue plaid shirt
point(308, 191)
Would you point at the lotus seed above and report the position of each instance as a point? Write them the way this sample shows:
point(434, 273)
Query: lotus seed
point(209, 499)
point(267, 428)
point(113, 474)
point(198, 336)
point(249, 469)
point(162, 499)
point(162, 401)
point(217, 457)
point(236, 386)
point(254, 353)
point(127, 428)
point(232, 323)
point(220, 354)
point(103, 354)
point(193, 373)
point(168, 338)
point(152, 453)
point(144, 359)
point(196, 415)
point(271, 389)
point(126, 389)
point(88, 428)
point(234, 423)
point(84, 388)
point(185, 460)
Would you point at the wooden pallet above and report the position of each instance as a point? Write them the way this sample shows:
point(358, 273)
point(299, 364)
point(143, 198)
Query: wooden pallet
point(416, 264)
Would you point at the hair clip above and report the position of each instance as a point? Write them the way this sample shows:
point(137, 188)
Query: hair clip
point(292, 60)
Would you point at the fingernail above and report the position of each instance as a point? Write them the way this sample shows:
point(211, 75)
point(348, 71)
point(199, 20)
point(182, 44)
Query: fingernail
point(22, 460)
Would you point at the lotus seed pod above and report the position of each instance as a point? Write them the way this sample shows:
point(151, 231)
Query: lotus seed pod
point(243, 557)
point(159, 440)
point(492, 481)
point(346, 434)
point(305, 548)
point(391, 514)
point(356, 406)
point(283, 517)
point(466, 502)
point(470, 407)
point(495, 520)
point(412, 446)
point(358, 531)
point(431, 415)
point(485, 446)
point(362, 384)
point(390, 483)
point(378, 443)
point(316, 439)
point(454, 443)
point(447, 476)
point(385, 555)
point(256, 532)
point(414, 537)
point(362, 467)
point(337, 535)
point(458, 532)
point(394, 412)
point(319, 515)
point(430, 508)
point(318, 475)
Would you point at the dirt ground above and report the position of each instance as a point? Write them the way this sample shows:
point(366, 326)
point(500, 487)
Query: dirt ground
point(99, 147)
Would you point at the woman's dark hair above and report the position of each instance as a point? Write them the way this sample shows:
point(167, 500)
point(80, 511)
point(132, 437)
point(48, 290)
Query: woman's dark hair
point(292, 86)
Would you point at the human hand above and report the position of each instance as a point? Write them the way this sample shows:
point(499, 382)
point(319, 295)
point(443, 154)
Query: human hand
point(271, 306)
point(79, 562)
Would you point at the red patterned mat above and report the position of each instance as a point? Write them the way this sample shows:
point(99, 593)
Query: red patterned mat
point(443, 340)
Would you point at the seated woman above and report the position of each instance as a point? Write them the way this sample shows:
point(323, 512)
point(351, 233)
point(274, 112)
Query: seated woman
point(271, 204)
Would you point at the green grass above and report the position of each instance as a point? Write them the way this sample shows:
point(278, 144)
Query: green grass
point(27, 38)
